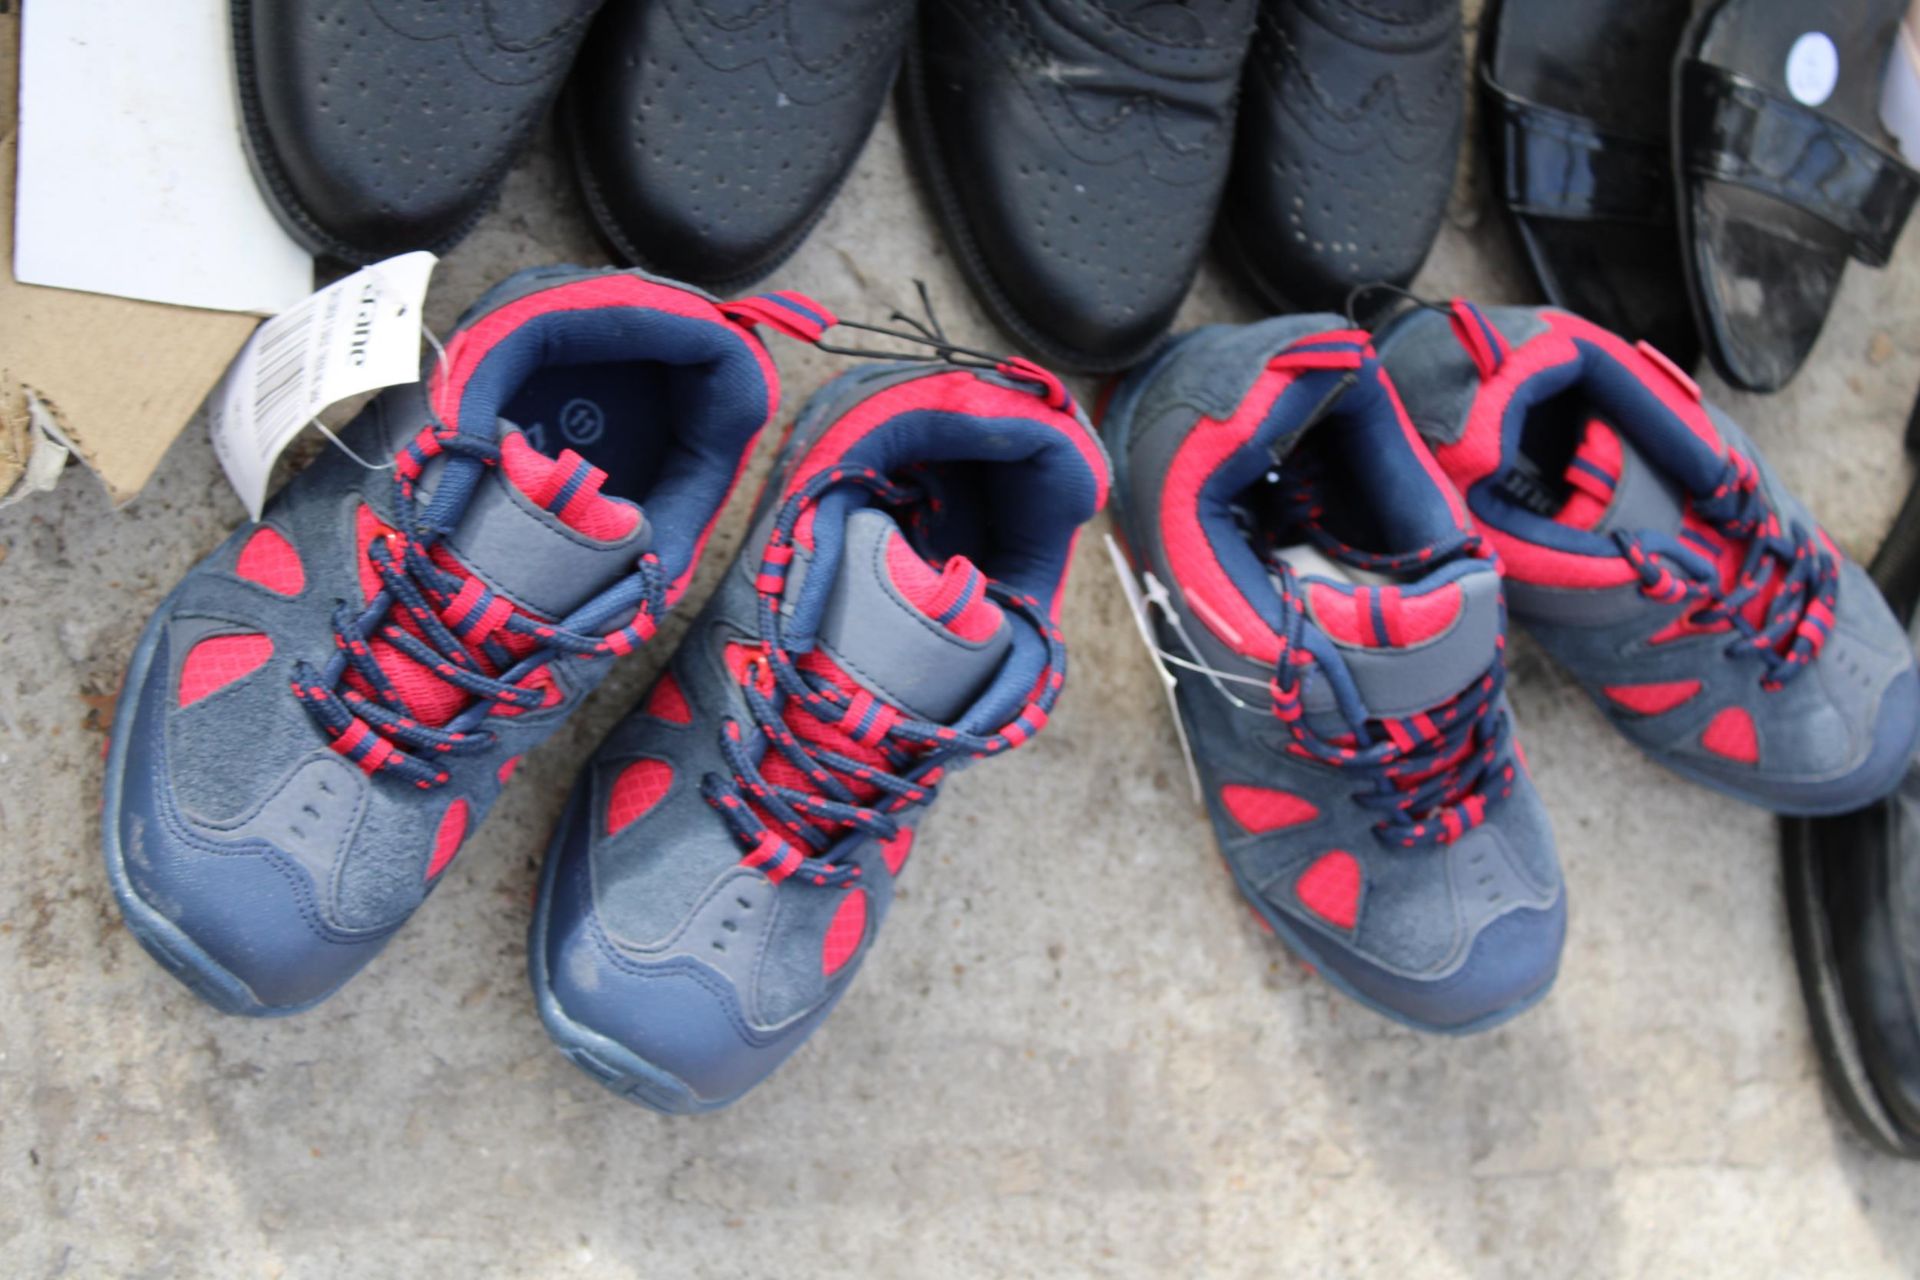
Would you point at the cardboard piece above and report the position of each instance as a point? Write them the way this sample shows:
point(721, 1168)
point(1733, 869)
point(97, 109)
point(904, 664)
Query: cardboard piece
point(118, 379)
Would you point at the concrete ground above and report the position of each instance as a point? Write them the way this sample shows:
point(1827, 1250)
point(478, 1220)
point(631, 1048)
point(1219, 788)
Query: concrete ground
point(1074, 1053)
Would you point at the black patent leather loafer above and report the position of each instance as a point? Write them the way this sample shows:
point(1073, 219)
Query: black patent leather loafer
point(1579, 139)
point(1783, 171)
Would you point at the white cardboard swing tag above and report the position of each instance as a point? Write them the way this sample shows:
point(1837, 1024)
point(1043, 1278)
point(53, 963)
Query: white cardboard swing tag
point(360, 333)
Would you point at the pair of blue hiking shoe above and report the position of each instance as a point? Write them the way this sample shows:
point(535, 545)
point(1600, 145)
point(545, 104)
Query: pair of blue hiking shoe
point(326, 707)
point(1333, 535)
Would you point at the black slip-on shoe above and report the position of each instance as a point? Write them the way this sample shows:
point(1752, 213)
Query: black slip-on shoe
point(1578, 126)
point(1350, 119)
point(379, 126)
point(1783, 172)
point(709, 138)
point(1076, 151)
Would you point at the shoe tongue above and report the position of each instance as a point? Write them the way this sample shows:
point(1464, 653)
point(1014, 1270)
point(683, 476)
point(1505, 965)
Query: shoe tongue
point(537, 535)
point(539, 531)
point(926, 640)
point(1609, 486)
point(1408, 647)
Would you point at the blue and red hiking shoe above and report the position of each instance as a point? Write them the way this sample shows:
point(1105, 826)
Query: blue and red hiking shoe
point(1336, 631)
point(1651, 550)
point(325, 708)
point(729, 854)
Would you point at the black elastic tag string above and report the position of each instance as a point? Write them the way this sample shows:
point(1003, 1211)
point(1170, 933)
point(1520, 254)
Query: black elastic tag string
point(924, 333)
point(1399, 303)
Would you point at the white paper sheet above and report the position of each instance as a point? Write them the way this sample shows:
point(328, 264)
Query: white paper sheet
point(132, 179)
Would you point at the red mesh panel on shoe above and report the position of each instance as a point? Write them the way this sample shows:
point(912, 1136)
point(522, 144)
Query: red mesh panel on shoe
point(1330, 888)
point(1383, 617)
point(640, 786)
point(446, 841)
point(895, 851)
point(1416, 619)
point(1262, 809)
point(218, 661)
point(542, 479)
point(844, 932)
point(834, 737)
point(1652, 699)
point(668, 703)
point(780, 771)
point(739, 656)
point(428, 698)
point(1731, 734)
point(269, 560)
point(1729, 558)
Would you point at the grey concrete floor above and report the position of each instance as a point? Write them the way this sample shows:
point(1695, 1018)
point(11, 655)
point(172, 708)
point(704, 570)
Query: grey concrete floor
point(1073, 1053)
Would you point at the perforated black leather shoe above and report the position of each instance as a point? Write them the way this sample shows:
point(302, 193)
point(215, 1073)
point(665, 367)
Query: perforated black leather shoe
point(379, 126)
point(1076, 151)
point(1350, 123)
point(710, 135)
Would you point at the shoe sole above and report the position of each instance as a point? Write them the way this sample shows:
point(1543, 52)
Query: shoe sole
point(1119, 412)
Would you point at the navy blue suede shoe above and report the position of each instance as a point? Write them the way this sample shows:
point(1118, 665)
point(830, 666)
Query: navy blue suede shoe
point(1651, 550)
point(1337, 630)
point(323, 710)
point(730, 852)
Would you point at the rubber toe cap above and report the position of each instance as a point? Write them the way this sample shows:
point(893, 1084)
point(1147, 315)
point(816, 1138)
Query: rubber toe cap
point(1511, 964)
point(238, 926)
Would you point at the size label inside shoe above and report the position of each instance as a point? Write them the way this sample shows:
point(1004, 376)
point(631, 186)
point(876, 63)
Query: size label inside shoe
point(357, 334)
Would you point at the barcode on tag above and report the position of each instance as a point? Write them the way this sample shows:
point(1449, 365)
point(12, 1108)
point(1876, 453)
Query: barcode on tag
point(357, 334)
point(280, 376)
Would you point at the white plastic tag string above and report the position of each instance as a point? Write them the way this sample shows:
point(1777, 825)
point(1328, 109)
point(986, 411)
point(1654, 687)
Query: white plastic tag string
point(1147, 590)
